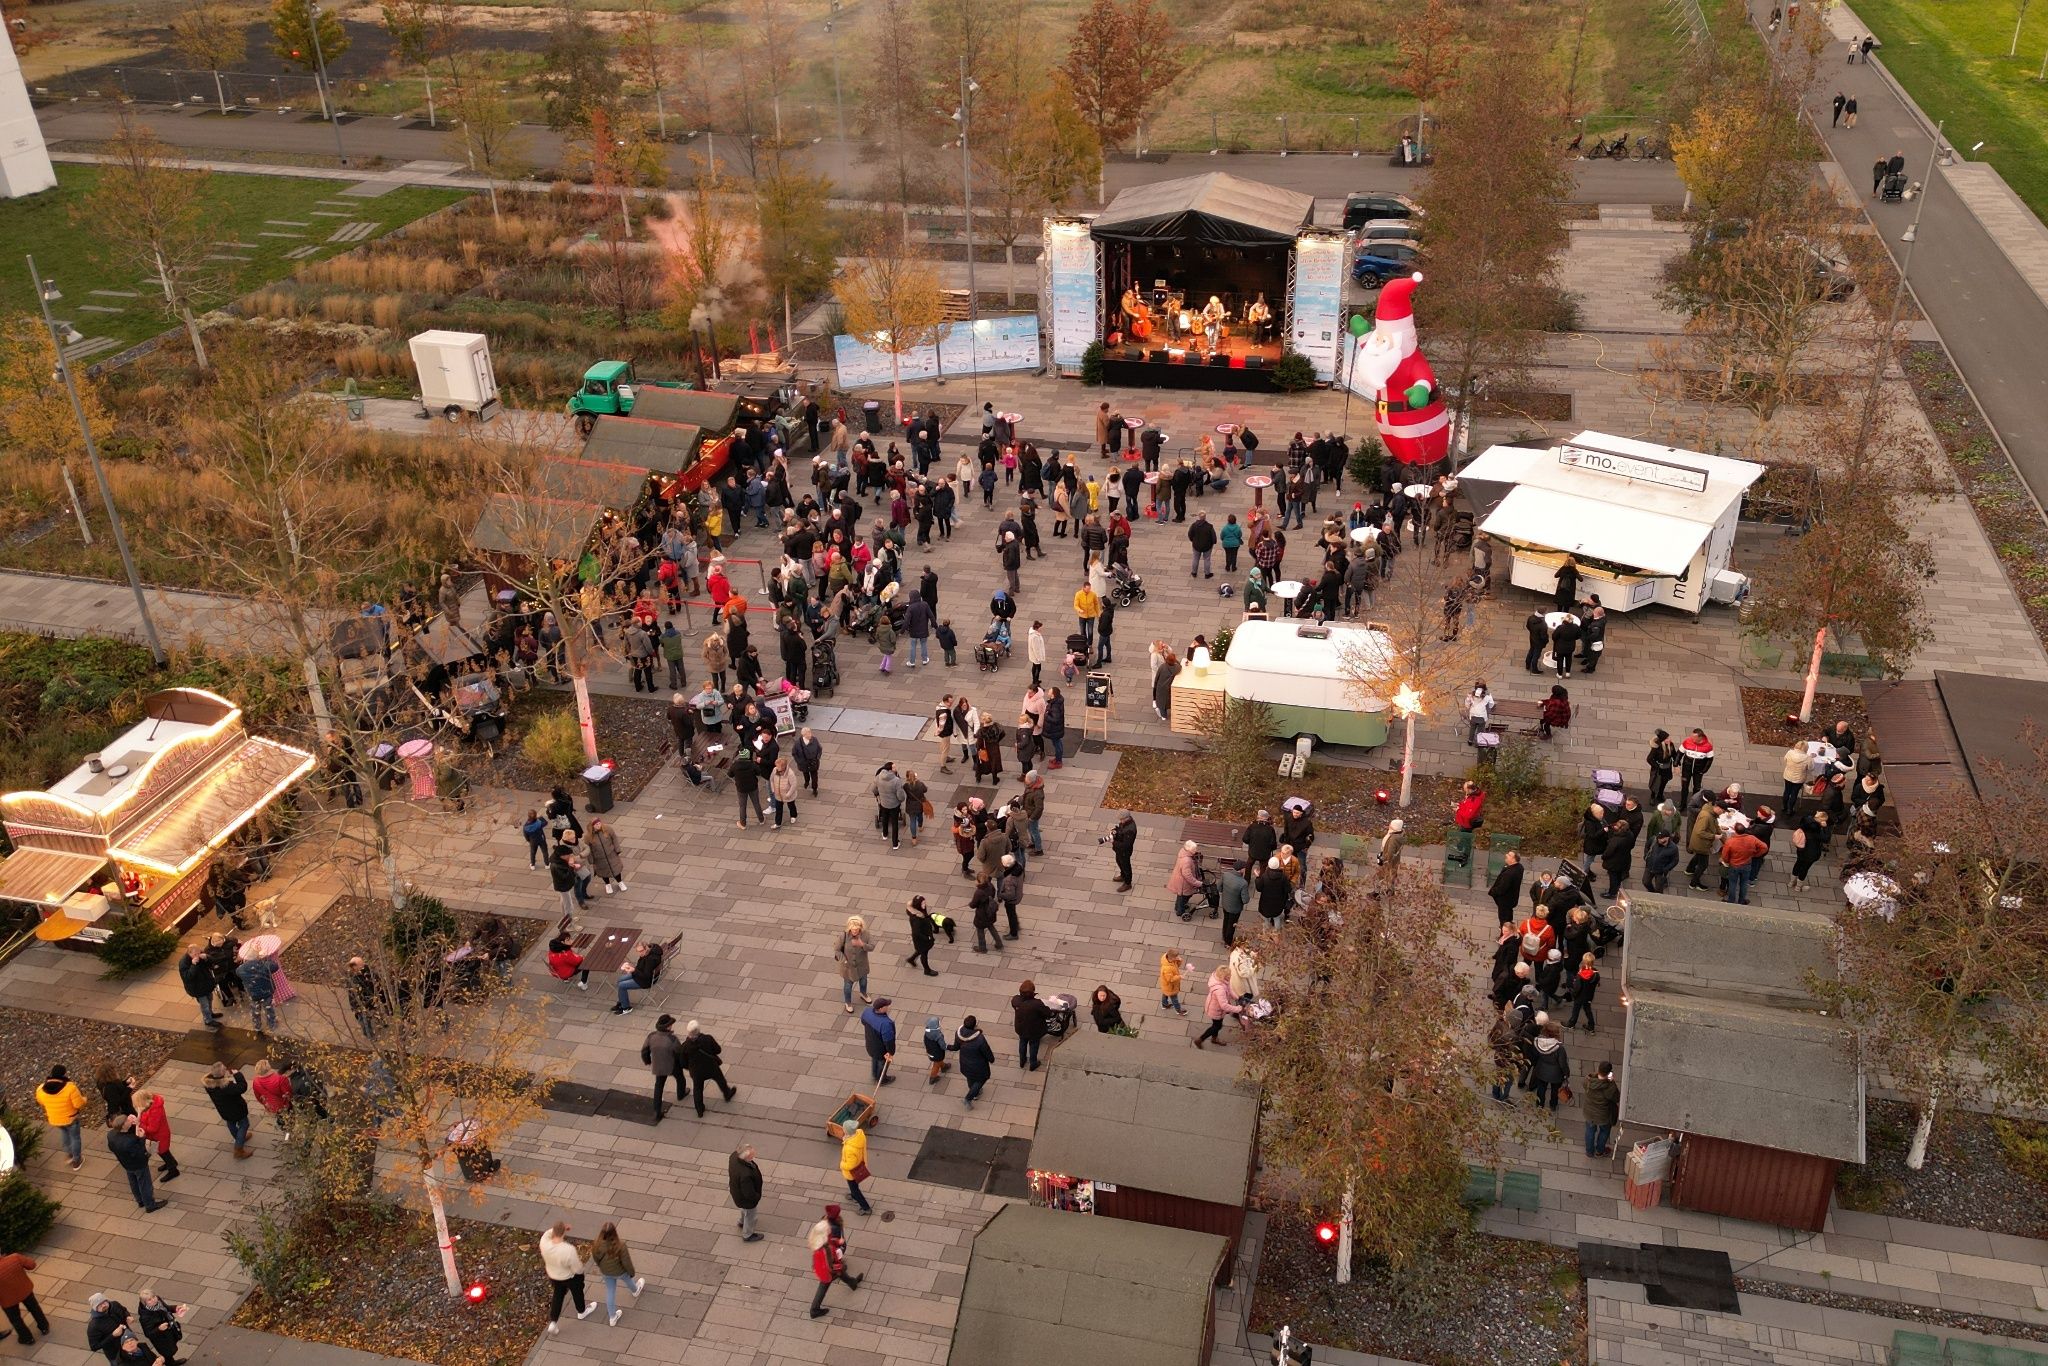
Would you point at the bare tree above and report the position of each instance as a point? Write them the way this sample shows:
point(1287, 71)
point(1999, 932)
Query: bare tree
point(490, 133)
point(893, 300)
point(417, 34)
point(1947, 990)
point(208, 34)
point(647, 52)
point(152, 216)
point(897, 115)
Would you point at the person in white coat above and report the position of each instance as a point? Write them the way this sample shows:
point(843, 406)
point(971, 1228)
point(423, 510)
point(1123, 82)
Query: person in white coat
point(1479, 704)
point(563, 1262)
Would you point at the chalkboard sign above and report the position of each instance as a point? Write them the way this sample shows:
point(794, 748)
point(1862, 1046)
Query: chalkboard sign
point(1097, 695)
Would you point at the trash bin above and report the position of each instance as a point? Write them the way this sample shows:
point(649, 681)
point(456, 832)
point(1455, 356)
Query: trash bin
point(872, 412)
point(598, 779)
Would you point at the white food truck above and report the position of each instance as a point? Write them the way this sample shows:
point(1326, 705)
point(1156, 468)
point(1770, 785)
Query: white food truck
point(1648, 524)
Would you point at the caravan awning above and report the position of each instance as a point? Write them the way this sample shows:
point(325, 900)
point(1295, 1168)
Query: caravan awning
point(1650, 541)
point(46, 876)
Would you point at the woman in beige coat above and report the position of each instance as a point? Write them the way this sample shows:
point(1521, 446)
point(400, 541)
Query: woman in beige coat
point(717, 659)
point(782, 786)
point(601, 844)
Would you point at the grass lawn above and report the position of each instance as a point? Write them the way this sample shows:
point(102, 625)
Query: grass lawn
point(238, 206)
point(1951, 57)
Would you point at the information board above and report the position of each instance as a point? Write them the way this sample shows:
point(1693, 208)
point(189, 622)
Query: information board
point(987, 347)
point(1070, 263)
point(1318, 300)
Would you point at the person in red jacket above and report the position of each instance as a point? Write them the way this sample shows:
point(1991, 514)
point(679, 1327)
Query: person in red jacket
point(564, 962)
point(828, 1258)
point(1739, 853)
point(154, 1124)
point(18, 1292)
point(1538, 939)
point(273, 1089)
point(1471, 808)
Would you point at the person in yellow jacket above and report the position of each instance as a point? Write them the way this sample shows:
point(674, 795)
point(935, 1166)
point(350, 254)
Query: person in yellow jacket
point(1169, 982)
point(1087, 609)
point(853, 1164)
point(63, 1105)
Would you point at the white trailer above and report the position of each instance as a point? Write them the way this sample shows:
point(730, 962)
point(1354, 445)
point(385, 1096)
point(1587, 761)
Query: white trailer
point(456, 379)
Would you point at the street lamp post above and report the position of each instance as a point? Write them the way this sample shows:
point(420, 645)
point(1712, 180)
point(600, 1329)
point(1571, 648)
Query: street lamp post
point(838, 101)
point(967, 89)
point(326, 89)
point(46, 292)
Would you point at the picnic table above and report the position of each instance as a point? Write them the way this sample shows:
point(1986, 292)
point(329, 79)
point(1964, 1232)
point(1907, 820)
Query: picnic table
point(1218, 836)
point(607, 949)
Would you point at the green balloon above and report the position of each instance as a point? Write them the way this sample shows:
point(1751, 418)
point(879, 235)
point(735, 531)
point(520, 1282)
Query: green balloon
point(1360, 325)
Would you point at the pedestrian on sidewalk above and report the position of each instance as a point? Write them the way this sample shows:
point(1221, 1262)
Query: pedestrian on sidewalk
point(129, 1150)
point(977, 1058)
point(661, 1050)
point(1841, 100)
point(163, 1324)
point(18, 1292)
point(105, 1323)
point(853, 1163)
point(606, 862)
point(851, 953)
point(228, 1089)
point(924, 934)
point(888, 793)
point(879, 1036)
point(935, 1049)
point(116, 1091)
point(1219, 1004)
point(258, 978)
point(154, 1125)
point(1602, 1109)
point(63, 1106)
point(196, 976)
point(1123, 842)
point(1170, 968)
point(562, 1261)
point(1032, 1019)
point(1849, 112)
point(702, 1056)
point(828, 1258)
point(614, 1261)
point(273, 1091)
point(743, 1180)
point(810, 759)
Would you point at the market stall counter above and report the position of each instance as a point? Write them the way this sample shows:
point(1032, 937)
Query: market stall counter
point(1646, 524)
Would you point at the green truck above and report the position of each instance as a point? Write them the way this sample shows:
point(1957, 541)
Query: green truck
point(609, 390)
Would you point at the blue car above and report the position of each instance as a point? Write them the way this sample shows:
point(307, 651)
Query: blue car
point(1380, 261)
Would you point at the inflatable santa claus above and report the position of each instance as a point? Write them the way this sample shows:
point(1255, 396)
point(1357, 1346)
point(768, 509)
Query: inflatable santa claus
point(1413, 421)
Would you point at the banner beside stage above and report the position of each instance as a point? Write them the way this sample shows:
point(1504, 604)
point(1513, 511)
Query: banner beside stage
point(1073, 284)
point(1318, 302)
point(988, 347)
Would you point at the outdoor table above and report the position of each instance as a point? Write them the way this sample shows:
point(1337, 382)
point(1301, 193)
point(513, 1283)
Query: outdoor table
point(269, 946)
point(1258, 484)
point(418, 756)
point(1416, 490)
point(1872, 893)
point(610, 947)
point(1364, 535)
point(1226, 429)
point(1288, 590)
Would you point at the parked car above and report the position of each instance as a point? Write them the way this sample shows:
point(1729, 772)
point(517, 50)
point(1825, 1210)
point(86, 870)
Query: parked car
point(1379, 262)
point(1360, 209)
point(1388, 230)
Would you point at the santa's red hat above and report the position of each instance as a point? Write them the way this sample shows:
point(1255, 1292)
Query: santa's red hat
point(1397, 300)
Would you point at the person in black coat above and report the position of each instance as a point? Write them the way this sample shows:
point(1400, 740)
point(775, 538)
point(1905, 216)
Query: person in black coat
point(983, 904)
point(924, 934)
point(743, 1180)
point(1567, 577)
point(1033, 1021)
point(1618, 857)
point(977, 1058)
point(1276, 894)
point(160, 1325)
point(1593, 637)
point(701, 1057)
point(1506, 890)
point(1300, 831)
point(1539, 636)
point(1123, 842)
point(104, 1326)
point(1563, 641)
point(1261, 841)
point(1659, 861)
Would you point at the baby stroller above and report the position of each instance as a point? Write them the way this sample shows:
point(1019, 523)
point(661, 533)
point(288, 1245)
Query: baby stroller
point(1076, 658)
point(1125, 587)
point(861, 619)
point(1895, 187)
point(994, 647)
point(1065, 1014)
point(824, 666)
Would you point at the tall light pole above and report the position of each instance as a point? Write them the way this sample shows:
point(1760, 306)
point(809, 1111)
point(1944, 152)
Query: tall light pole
point(838, 101)
point(326, 87)
point(45, 293)
point(967, 89)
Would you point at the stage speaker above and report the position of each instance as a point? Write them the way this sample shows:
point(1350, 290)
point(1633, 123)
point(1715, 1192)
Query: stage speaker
point(1219, 359)
point(1134, 353)
point(1158, 355)
point(1254, 362)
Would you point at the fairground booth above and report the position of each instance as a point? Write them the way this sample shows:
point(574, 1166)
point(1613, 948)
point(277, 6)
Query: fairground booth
point(1046, 1289)
point(1147, 1131)
point(1955, 735)
point(1726, 1049)
point(1304, 672)
point(1198, 283)
point(1647, 524)
point(142, 822)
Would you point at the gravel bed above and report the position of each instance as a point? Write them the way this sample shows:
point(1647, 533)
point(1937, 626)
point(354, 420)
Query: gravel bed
point(1498, 1300)
point(1894, 1309)
point(1764, 711)
point(36, 1041)
point(321, 954)
point(630, 732)
point(1967, 1180)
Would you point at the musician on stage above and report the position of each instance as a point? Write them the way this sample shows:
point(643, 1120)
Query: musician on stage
point(1260, 317)
point(1135, 312)
point(1212, 322)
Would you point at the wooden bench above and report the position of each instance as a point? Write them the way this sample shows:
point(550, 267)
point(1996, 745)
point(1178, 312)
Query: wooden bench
point(1218, 835)
point(1458, 857)
point(1497, 853)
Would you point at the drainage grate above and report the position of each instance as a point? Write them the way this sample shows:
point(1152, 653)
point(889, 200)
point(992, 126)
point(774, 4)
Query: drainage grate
point(975, 1162)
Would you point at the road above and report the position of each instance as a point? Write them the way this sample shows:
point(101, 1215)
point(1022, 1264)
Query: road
point(1322, 174)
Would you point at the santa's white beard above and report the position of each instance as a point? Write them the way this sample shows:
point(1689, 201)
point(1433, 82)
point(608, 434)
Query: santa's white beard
point(1384, 348)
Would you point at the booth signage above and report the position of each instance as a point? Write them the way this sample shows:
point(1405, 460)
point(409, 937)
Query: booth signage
point(992, 345)
point(1319, 300)
point(1633, 467)
point(1071, 265)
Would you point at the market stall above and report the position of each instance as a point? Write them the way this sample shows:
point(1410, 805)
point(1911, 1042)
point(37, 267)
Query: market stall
point(1152, 1132)
point(1303, 671)
point(141, 822)
point(1647, 524)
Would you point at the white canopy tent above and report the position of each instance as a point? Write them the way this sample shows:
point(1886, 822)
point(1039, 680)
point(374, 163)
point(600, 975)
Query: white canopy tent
point(1647, 523)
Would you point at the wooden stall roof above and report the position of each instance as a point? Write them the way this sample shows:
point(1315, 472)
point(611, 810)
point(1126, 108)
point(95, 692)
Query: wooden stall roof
point(714, 412)
point(642, 443)
point(1147, 1114)
point(525, 527)
point(1684, 946)
point(1957, 732)
point(1045, 1286)
point(45, 876)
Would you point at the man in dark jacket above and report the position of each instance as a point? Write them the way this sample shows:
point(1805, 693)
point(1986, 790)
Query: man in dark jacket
point(702, 1060)
point(1202, 537)
point(641, 975)
point(1593, 638)
point(1033, 1019)
point(1539, 636)
point(743, 1179)
point(133, 1154)
point(977, 1058)
point(1603, 1109)
point(1261, 841)
point(982, 903)
point(1659, 861)
point(196, 974)
point(1506, 890)
point(228, 1089)
point(879, 1034)
point(1617, 857)
point(104, 1324)
point(1276, 894)
point(1123, 842)
point(662, 1052)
